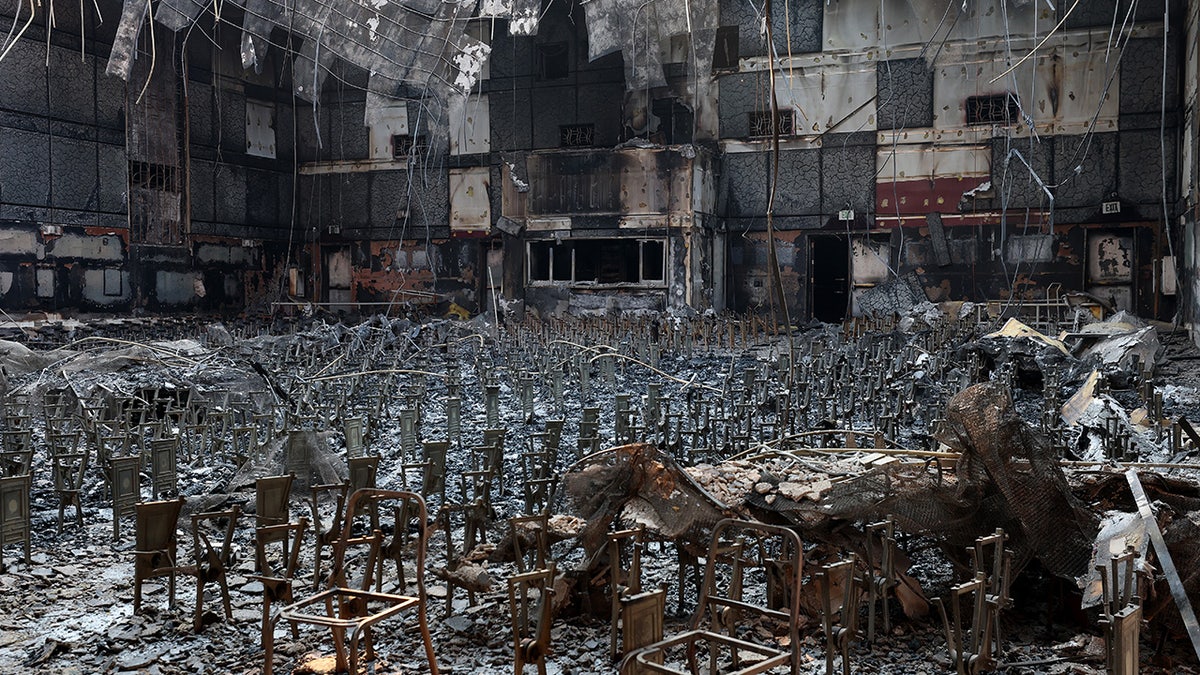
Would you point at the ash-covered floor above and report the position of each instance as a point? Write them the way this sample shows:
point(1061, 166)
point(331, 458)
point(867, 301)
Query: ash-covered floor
point(944, 427)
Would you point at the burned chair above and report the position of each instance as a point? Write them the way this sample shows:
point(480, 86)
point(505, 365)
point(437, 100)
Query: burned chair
point(14, 514)
point(839, 584)
point(212, 561)
point(271, 496)
point(529, 597)
point(156, 547)
point(16, 452)
point(277, 587)
point(69, 470)
point(473, 518)
point(347, 607)
point(724, 620)
point(974, 648)
point(531, 541)
point(635, 616)
point(1121, 612)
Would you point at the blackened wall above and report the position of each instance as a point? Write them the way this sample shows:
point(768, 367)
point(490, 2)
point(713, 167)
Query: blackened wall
point(1135, 162)
point(64, 173)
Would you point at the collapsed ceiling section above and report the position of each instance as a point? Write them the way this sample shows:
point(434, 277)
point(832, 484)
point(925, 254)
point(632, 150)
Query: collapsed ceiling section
point(423, 44)
point(637, 29)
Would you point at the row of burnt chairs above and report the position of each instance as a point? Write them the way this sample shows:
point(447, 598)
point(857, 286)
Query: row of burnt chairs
point(351, 608)
point(351, 604)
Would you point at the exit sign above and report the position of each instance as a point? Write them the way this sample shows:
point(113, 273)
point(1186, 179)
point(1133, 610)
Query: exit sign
point(1109, 208)
point(846, 214)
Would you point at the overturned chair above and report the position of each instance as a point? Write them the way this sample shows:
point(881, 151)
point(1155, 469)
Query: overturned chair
point(723, 612)
point(347, 607)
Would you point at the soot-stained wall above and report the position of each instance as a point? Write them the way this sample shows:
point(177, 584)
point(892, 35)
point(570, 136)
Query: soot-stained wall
point(65, 176)
point(910, 151)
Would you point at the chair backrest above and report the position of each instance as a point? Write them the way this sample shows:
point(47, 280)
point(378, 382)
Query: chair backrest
point(534, 528)
point(69, 470)
point(362, 472)
point(721, 595)
point(353, 429)
point(164, 454)
point(433, 475)
point(126, 483)
point(365, 501)
point(271, 499)
point(156, 523)
point(210, 557)
point(14, 506)
point(266, 533)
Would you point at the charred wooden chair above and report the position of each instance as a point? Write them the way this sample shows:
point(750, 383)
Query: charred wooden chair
point(277, 586)
point(529, 597)
point(16, 452)
point(350, 610)
point(271, 496)
point(125, 488)
point(325, 536)
point(164, 453)
point(624, 580)
point(69, 470)
point(156, 547)
point(531, 541)
point(14, 513)
point(473, 518)
point(723, 610)
point(212, 561)
point(362, 474)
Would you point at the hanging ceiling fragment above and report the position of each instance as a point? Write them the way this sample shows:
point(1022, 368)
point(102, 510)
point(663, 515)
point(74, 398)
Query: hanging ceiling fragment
point(419, 44)
point(637, 28)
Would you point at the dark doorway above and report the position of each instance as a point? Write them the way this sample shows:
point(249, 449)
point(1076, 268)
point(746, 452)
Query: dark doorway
point(829, 280)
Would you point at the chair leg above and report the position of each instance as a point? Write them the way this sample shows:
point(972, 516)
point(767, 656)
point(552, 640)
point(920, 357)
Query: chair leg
point(137, 595)
point(352, 665)
point(198, 620)
point(268, 636)
point(369, 644)
point(225, 595)
point(317, 565)
point(339, 648)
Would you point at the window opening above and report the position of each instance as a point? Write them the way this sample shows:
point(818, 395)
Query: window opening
point(552, 62)
point(760, 123)
point(598, 261)
point(577, 135)
point(996, 109)
point(725, 55)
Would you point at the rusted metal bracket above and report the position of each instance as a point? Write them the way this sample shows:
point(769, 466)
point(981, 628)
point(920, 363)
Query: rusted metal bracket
point(840, 580)
point(1121, 612)
point(994, 561)
point(970, 649)
point(881, 572)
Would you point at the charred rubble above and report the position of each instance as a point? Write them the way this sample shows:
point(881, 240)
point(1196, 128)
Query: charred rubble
point(576, 472)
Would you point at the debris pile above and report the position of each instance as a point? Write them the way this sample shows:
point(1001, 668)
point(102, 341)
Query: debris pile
point(609, 451)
